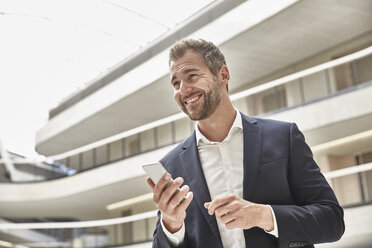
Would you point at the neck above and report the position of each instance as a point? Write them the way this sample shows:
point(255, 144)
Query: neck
point(216, 127)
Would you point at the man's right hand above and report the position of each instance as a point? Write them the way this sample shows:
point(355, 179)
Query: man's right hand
point(171, 201)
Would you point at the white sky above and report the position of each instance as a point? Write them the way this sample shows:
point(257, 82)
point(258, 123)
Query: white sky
point(50, 48)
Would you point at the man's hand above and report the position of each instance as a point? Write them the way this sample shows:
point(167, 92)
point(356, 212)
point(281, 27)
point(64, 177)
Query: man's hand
point(236, 212)
point(171, 201)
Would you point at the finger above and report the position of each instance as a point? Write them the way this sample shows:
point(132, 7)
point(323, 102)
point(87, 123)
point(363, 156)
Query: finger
point(185, 203)
point(179, 196)
point(206, 204)
point(181, 208)
point(150, 183)
point(216, 203)
point(226, 218)
point(160, 186)
point(231, 207)
point(172, 188)
point(168, 193)
point(232, 224)
point(223, 210)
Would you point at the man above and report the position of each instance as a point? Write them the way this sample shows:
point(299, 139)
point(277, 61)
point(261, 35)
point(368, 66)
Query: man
point(253, 181)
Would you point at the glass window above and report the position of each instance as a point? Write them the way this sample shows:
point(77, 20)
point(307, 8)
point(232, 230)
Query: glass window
point(116, 150)
point(147, 140)
point(315, 86)
point(74, 162)
point(101, 155)
point(139, 230)
point(241, 105)
point(343, 76)
point(63, 161)
point(4, 175)
point(88, 160)
point(364, 69)
point(272, 99)
point(126, 229)
point(151, 227)
point(164, 134)
point(347, 188)
point(192, 125)
point(132, 145)
point(182, 129)
point(293, 92)
point(367, 158)
point(252, 105)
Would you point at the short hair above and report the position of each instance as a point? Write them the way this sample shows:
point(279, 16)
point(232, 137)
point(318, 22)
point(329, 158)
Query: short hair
point(210, 53)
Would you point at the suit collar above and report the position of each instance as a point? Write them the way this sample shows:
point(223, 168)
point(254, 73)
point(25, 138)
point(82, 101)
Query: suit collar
point(246, 120)
point(188, 142)
point(237, 125)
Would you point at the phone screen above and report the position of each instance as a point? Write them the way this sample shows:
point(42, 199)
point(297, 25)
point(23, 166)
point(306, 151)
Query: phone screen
point(155, 171)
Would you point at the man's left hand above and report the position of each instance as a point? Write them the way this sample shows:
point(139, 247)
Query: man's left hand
point(236, 212)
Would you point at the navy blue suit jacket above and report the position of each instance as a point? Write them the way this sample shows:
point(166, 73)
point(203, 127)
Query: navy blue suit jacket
point(278, 170)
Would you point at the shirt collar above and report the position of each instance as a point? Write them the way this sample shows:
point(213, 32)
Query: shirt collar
point(237, 125)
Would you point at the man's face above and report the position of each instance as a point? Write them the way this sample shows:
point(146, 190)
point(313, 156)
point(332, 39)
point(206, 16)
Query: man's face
point(196, 90)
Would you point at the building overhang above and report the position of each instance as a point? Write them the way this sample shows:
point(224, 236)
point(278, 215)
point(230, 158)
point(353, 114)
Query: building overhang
point(254, 46)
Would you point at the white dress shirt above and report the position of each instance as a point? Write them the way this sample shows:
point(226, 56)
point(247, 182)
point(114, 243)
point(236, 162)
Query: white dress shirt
point(222, 164)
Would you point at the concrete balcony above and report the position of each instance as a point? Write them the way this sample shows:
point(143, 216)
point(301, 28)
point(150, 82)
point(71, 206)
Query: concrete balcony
point(332, 117)
point(117, 107)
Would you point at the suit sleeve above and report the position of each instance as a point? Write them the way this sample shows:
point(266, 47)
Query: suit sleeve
point(316, 216)
point(160, 239)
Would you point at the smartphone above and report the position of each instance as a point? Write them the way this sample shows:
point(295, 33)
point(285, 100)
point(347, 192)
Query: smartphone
point(155, 171)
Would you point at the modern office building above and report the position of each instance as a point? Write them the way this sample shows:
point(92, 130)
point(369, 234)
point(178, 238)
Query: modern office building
point(306, 61)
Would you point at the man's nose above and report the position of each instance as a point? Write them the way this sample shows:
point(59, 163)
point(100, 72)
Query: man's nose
point(185, 88)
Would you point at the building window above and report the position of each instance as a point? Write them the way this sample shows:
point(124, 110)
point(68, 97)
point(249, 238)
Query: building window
point(164, 134)
point(242, 105)
point(294, 92)
point(101, 155)
point(343, 76)
point(4, 175)
point(115, 150)
point(366, 177)
point(274, 99)
point(315, 86)
point(182, 129)
point(363, 69)
point(147, 140)
point(127, 229)
point(87, 159)
point(74, 162)
point(132, 145)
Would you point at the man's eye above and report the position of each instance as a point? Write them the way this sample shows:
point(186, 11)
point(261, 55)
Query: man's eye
point(192, 75)
point(176, 83)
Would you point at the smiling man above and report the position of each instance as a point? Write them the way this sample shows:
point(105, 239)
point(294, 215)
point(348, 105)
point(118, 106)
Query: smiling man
point(248, 182)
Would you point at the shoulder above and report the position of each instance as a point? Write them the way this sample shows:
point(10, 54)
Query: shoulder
point(272, 129)
point(266, 123)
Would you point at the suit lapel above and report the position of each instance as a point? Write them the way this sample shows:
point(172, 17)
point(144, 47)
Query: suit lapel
point(191, 163)
point(252, 152)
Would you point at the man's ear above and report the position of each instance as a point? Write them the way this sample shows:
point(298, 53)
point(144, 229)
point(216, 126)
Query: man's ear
point(224, 75)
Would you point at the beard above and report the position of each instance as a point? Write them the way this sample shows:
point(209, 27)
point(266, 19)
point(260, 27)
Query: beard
point(212, 99)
